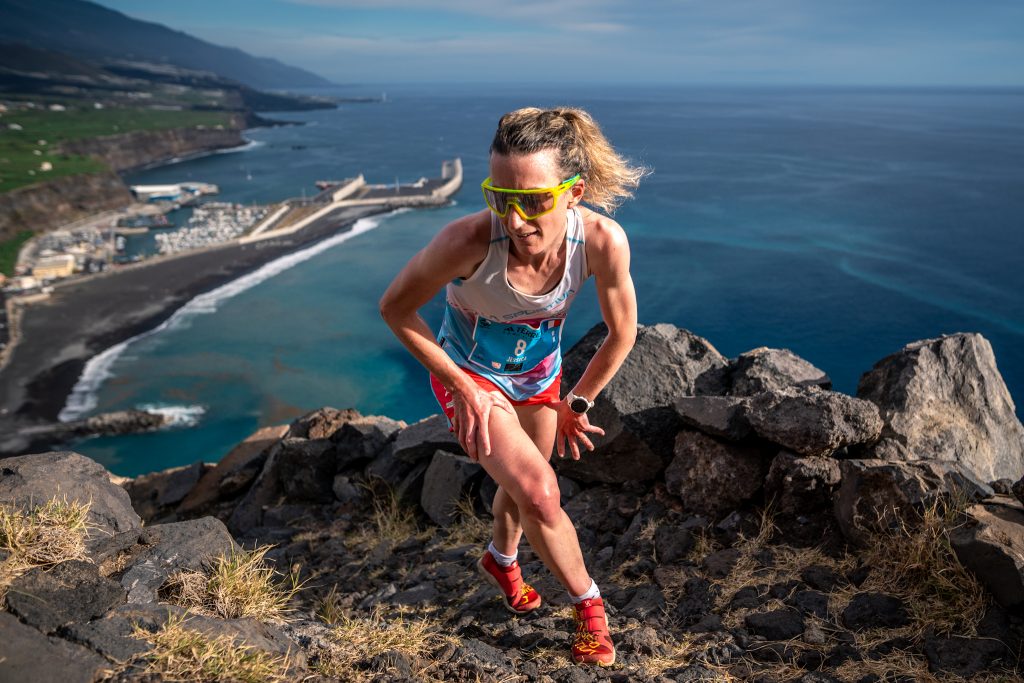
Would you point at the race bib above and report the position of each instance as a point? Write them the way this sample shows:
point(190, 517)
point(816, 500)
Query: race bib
point(514, 348)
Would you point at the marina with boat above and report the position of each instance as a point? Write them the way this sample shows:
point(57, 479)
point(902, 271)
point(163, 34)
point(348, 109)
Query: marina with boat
point(98, 247)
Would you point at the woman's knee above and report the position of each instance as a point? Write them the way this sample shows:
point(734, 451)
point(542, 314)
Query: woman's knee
point(541, 501)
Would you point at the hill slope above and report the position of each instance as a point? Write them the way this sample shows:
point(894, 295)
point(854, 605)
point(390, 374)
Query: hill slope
point(87, 29)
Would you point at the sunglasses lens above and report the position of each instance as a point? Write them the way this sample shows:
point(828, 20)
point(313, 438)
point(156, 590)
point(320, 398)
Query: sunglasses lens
point(534, 205)
point(496, 201)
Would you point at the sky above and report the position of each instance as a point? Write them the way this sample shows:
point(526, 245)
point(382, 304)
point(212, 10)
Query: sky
point(791, 42)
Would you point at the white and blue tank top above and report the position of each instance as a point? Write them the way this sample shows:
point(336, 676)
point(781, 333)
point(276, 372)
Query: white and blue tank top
point(510, 337)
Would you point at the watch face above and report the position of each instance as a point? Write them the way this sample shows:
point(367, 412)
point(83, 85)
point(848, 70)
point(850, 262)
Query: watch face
point(579, 405)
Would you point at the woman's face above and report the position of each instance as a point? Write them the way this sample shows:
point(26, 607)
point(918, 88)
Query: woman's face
point(530, 172)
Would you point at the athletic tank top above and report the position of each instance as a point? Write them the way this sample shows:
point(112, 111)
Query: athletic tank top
point(505, 335)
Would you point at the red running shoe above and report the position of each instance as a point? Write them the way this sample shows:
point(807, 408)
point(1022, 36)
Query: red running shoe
point(592, 643)
point(520, 597)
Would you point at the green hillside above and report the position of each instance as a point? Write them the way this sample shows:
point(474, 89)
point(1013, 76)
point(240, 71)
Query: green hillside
point(29, 138)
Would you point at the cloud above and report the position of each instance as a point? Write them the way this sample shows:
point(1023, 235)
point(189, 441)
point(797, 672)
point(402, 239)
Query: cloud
point(563, 10)
point(597, 27)
point(790, 41)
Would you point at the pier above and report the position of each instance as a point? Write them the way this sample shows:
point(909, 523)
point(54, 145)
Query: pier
point(335, 195)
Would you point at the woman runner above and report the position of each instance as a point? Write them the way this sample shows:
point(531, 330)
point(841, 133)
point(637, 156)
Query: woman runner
point(511, 272)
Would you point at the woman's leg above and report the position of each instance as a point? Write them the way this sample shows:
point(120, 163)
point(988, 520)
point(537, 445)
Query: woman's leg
point(519, 467)
point(539, 422)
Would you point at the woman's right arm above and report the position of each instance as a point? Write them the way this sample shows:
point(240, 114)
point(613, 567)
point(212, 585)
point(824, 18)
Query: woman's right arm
point(456, 251)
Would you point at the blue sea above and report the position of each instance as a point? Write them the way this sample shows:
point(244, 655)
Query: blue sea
point(839, 223)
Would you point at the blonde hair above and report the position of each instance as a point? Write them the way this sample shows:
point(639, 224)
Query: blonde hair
point(581, 146)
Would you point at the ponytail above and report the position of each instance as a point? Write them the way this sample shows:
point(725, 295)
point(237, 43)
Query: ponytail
point(581, 146)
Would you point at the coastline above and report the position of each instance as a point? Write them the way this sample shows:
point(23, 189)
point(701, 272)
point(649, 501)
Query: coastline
point(56, 340)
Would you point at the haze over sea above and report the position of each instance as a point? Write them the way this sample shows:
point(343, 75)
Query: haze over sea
point(839, 223)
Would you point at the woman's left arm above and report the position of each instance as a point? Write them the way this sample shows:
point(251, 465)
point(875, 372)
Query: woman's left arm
point(609, 262)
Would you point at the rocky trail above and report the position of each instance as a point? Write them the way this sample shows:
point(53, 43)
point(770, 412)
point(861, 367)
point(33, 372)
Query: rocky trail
point(744, 522)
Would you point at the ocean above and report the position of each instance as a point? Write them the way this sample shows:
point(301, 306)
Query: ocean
point(840, 223)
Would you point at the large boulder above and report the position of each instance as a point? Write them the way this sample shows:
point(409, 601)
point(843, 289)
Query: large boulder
point(149, 556)
point(360, 441)
point(71, 592)
point(723, 416)
point(991, 544)
point(234, 473)
point(812, 422)
point(801, 486)
point(420, 440)
point(302, 470)
point(295, 467)
point(765, 369)
point(944, 399)
point(112, 636)
point(636, 408)
point(305, 470)
point(154, 495)
point(713, 477)
point(448, 479)
point(877, 496)
point(28, 480)
point(322, 423)
point(28, 655)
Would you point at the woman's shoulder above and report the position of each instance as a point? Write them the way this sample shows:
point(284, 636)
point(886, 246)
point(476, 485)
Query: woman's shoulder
point(602, 234)
point(464, 241)
point(466, 231)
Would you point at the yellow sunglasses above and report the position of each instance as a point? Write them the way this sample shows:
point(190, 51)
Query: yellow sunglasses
point(529, 204)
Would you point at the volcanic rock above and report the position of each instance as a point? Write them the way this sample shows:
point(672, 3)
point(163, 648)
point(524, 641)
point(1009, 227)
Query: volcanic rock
point(28, 480)
point(944, 399)
point(812, 422)
point(876, 495)
point(448, 480)
point(636, 408)
point(713, 477)
point(764, 369)
point(991, 544)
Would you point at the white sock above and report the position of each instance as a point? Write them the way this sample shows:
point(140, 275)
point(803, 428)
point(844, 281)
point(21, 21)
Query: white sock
point(592, 592)
point(503, 560)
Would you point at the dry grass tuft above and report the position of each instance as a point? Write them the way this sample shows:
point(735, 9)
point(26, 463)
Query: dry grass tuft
point(896, 664)
point(551, 659)
point(916, 561)
point(743, 572)
point(182, 654)
point(469, 527)
point(238, 585)
point(357, 639)
point(330, 610)
point(692, 649)
point(703, 545)
point(391, 520)
point(43, 536)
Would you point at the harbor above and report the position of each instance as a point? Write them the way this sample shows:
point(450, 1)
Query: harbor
point(52, 342)
point(97, 246)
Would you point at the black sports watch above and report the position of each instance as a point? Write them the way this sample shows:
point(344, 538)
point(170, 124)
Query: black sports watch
point(579, 404)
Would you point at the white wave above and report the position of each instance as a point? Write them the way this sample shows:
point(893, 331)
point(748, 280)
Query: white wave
point(178, 416)
point(249, 144)
point(85, 394)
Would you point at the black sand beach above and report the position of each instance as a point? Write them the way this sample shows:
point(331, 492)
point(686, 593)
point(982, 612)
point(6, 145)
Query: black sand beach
point(83, 318)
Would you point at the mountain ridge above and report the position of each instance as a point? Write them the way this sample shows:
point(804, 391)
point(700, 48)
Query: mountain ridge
point(90, 30)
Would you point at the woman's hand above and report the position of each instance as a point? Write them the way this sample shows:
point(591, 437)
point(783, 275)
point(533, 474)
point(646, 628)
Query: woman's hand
point(572, 427)
point(472, 411)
